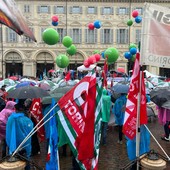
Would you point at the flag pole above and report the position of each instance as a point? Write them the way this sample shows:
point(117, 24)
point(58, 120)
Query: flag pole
point(33, 130)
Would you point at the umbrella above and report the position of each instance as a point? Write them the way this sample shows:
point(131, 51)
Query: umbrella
point(62, 90)
point(27, 92)
point(51, 71)
point(25, 83)
point(7, 82)
point(163, 84)
point(120, 88)
point(13, 78)
point(166, 105)
point(44, 86)
point(12, 18)
point(160, 95)
point(149, 85)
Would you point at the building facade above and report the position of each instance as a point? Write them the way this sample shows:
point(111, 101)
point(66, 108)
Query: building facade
point(21, 56)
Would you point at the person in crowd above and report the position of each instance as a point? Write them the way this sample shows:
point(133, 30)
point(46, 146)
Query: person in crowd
point(17, 128)
point(106, 108)
point(34, 140)
point(4, 114)
point(2, 101)
point(164, 119)
point(119, 112)
point(3, 90)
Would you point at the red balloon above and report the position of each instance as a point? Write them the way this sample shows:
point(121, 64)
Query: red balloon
point(92, 59)
point(97, 56)
point(54, 18)
point(86, 63)
point(135, 13)
point(91, 26)
point(120, 69)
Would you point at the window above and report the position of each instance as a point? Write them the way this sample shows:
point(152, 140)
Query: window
point(107, 10)
point(122, 36)
point(59, 9)
point(122, 11)
point(138, 36)
point(92, 10)
point(76, 10)
point(26, 8)
point(43, 9)
point(76, 34)
point(27, 39)
point(62, 34)
point(11, 35)
point(107, 36)
point(140, 10)
point(91, 36)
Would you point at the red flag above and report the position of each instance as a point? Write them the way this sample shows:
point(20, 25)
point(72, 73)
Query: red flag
point(68, 76)
point(36, 113)
point(129, 127)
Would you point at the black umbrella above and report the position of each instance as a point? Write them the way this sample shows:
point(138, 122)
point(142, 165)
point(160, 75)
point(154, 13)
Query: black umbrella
point(27, 92)
point(62, 90)
point(166, 105)
point(120, 88)
point(160, 95)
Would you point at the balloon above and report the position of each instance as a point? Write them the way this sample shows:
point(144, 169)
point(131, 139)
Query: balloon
point(133, 58)
point(72, 50)
point(97, 56)
point(129, 22)
point(96, 52)
point(50, 36)
point(91, 26)
point(127, 55)
point(86, 63)
point(135, 13)
point(67, 41)
point(120, 69)
point(54, 18)
point(54, 23)
point(133, 50)
point(62, 61)
point(103, 54)
point(111, 54)
point(92, 59)
point(97, 24)
point(138, 19)
point(132, 45)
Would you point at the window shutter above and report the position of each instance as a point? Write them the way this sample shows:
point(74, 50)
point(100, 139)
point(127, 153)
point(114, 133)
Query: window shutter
point(102, 36)
point(86, 36)
point(111, 36)
point(71, 10)
point(118, 36)
point(70, 33)
point(117, 11)
point(81, 10)
point(80, 35)
point(64, 32)
point(38, 9)
point(95, 35)
point(102, 10)
point(141, 11)
point(112, 10)
point(54, 10)
point(126, 36)
point(49, 10)
point(64, 9)
point(127, 11)
point(95, 10)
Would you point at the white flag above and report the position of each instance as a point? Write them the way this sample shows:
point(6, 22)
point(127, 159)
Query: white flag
point(155, 36)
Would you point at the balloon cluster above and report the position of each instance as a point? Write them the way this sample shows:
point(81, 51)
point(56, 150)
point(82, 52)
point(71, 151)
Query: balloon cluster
point(91, 60)
point(135, 15)
point(131, 54)
point(54, 20)
point(96, 24)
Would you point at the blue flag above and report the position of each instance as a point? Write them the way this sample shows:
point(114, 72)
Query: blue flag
point(52, 157)
point(144, 144)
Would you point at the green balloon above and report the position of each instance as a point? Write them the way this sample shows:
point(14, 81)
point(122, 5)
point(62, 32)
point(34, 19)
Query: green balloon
point(72, 50)
point(62, 61)
point(96, 52)
point(129, 22)
point(133, 58)
point(50, 36)
point(67, 41)
point(132, 45)
point(112, 54)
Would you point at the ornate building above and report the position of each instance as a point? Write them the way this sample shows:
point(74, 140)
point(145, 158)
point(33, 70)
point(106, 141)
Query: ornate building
point(22, 56)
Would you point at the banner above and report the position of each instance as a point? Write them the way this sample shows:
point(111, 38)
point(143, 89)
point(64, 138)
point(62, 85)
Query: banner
point(155, 36)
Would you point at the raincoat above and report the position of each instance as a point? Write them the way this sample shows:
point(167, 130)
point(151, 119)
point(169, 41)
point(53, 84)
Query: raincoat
point(17, 128)
point(119, 110)
point(4, 114)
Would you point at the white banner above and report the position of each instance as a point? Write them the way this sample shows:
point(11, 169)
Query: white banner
point(155, 36)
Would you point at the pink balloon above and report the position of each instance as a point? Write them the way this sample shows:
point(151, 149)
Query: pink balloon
point(92, 59)
point(97, 56)
point(91, 26)
point(135, 13)
point(54, 18)
point(86, 63)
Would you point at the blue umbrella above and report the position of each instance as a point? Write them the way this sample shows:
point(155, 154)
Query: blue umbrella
point(25, 83)
point(120, 88)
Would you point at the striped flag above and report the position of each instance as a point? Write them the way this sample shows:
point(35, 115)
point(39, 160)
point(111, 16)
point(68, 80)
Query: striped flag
point(81, 120)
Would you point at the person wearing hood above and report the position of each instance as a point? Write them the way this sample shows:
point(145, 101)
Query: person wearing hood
point(106, 108)
point(4, 114)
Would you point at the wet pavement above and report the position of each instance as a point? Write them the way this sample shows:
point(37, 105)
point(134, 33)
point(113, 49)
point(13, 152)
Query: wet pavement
point(113, 156)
